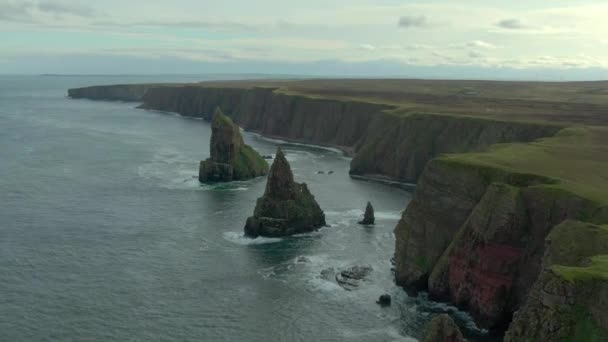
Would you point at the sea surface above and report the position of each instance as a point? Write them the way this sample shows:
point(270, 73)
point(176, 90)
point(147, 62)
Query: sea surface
point(107, 235)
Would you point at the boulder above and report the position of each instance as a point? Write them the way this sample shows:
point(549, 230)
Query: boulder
point(286, 208)
point(231, 159)
point(368, 217)
point(442, 328)
point(350, 278)
point(384, 300)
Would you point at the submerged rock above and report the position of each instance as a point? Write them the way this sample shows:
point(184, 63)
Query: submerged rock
point(286, 208)
point(231, 159)
point(368, 217)
point(442, 329)
point(350, 278)
point(384, 300)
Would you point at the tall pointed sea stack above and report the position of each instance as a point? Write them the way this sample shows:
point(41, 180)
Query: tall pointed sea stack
point(368, 217)
point(286, 208)
point(231, 159)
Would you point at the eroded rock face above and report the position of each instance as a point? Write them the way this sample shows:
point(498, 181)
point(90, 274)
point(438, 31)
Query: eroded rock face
point(566, 304)
point(286, 208)
point(231, 159)
point(368, 217)
point(475, 236)
point(442, 329)
point(350, 278)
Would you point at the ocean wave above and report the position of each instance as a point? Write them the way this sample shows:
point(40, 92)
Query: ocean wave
point(240, 239)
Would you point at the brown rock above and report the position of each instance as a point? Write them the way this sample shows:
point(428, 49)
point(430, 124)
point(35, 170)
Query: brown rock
point(442, 329)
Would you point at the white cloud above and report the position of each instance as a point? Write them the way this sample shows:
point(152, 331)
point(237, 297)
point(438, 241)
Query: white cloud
point(367, 47)
point(480, 44)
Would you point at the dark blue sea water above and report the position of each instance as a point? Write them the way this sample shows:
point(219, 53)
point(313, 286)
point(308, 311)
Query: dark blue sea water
point(106, 234)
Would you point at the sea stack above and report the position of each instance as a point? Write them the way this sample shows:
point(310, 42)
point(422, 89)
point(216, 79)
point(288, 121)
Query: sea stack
point(442, 328)
point(231, 159)
point(286, 208)
point(368, 217)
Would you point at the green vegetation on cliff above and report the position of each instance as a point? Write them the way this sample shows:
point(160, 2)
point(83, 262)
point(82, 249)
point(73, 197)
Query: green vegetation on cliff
point(231, 159)
point(577, 157)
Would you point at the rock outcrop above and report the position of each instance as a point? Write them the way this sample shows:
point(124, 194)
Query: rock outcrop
point(368, 216)
point(568, 301)
point(474, 236)
point(286, 208)
point(442, 328)
point(231, 159)
point(351, 277)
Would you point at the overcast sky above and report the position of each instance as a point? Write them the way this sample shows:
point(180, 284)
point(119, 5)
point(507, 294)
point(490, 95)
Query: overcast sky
point(531, 38)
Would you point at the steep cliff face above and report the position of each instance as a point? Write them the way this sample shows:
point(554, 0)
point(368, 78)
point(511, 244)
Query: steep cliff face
point(119, 92)
point(568, 301)
point(400, 146)
point(340, 124)
point(384, 144)
point(231, 159)
point(474, 236)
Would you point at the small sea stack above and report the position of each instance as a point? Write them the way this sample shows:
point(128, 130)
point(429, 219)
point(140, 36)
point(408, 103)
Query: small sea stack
point(442, 328)
point(286, 208)
point(368, 217)
point(231, 159)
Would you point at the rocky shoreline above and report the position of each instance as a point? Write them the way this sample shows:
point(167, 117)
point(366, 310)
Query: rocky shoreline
point(477, 235)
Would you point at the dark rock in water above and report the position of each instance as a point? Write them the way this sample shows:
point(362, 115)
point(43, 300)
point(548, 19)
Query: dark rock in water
point(328, 274)
point(267, 157)
point(286, 208)
point(350, 278)
point(330, 173)
point(303, 259)
point(442, 329)
point(368, 217)
point(384, 300)
point(321, 172)
point(231, 159)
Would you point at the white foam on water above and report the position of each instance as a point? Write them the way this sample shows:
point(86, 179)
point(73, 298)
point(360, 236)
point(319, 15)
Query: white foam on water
point(173, 170)
point(240, 239)
point(388, 215)
point(377, 334)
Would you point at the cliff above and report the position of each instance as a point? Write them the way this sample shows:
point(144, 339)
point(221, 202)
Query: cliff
point(568, 301)
point(118, 92)
point(442, 328)
point(474, 234)
point(384, 142)
point(231, 159)
point(286, 208)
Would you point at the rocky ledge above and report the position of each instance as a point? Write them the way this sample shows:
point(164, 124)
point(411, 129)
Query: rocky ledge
point(286, 208)
point(231, 159)
point(442, 328)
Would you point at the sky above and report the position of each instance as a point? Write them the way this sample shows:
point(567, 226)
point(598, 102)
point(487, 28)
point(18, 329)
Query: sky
point(531, 39)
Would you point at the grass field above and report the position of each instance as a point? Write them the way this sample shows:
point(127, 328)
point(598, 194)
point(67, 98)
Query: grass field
point(562, 102)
